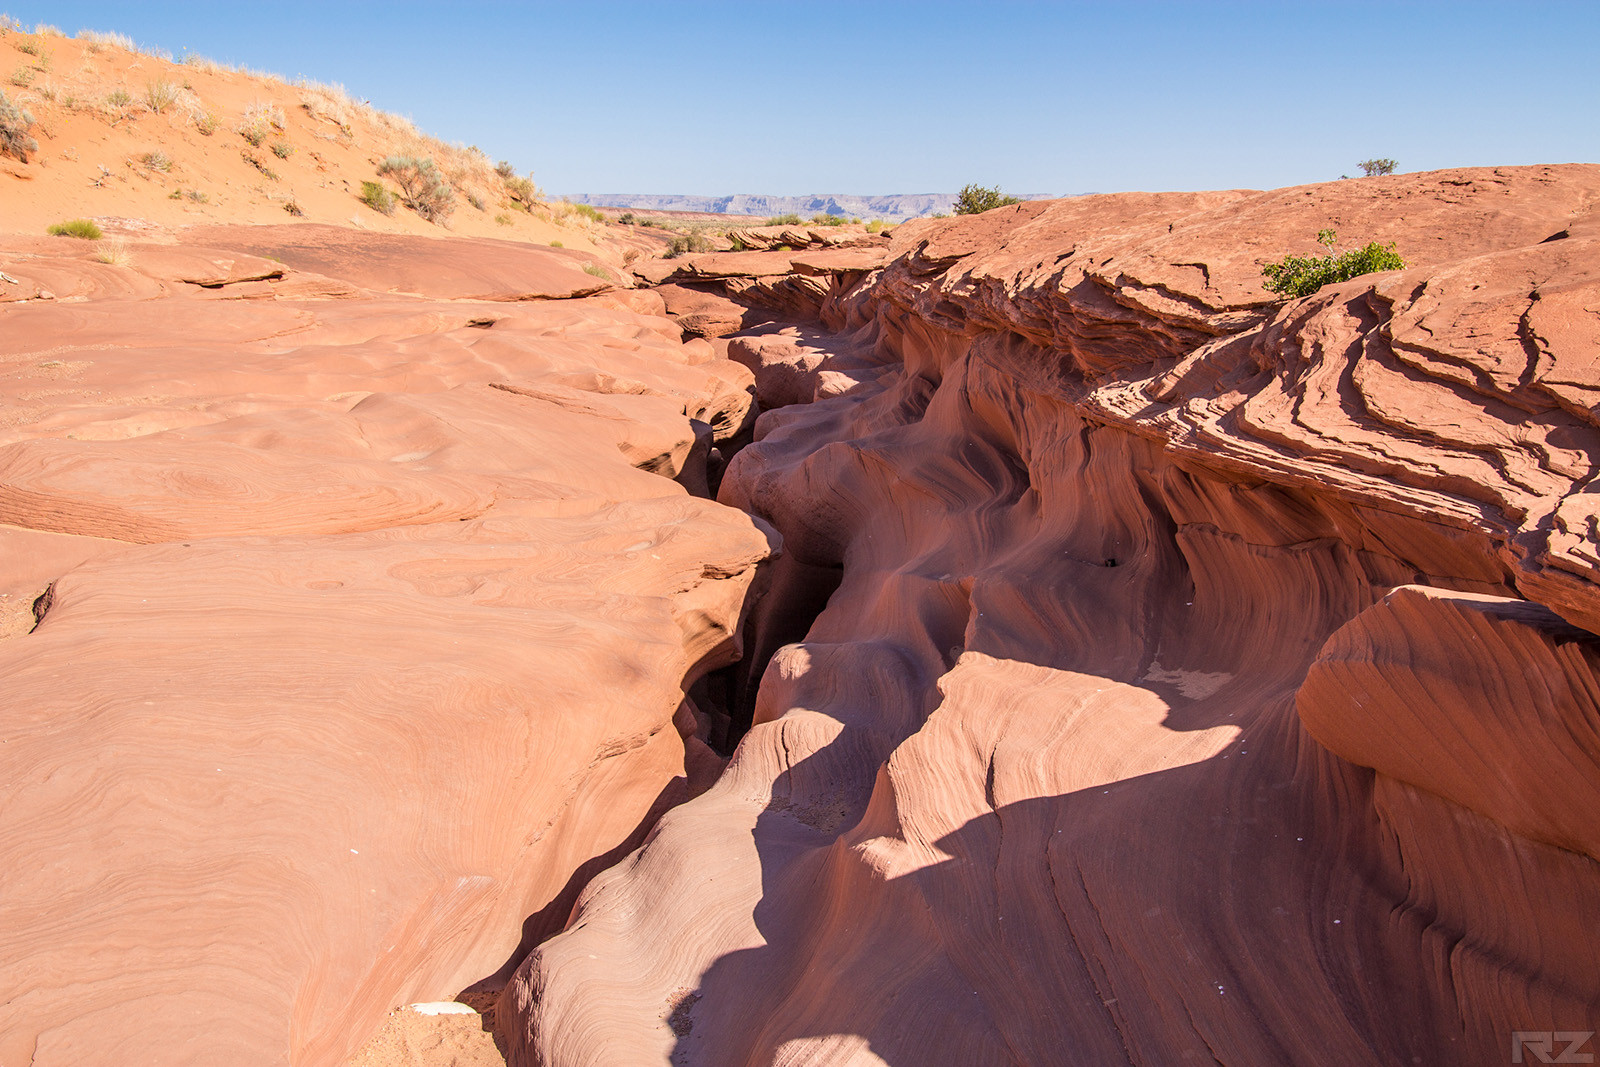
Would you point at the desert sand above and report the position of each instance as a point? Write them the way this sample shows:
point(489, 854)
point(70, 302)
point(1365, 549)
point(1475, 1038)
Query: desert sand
point(1019, 640)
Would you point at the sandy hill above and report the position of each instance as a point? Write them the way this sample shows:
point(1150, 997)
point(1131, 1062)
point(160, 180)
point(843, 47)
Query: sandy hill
point(127, 134)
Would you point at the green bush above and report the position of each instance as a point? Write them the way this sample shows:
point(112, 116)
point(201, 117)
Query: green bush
point(1297, 276)
point(14, 123)
point(877, 226)
point(819, 219)
point(379, 199)
point(627, 218)
point(687, 243)
point(588, 212)
point(84, 228)
point(790, 219)
point(1374, 167)
point(421, 185)
point(282, 149)
point(976, 199)
point(597, 270)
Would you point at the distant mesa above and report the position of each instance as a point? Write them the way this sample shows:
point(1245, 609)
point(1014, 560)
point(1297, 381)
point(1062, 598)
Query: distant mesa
point(896, 207)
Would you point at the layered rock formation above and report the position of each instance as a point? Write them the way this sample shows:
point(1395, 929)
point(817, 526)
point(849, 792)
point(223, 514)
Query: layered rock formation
point(349, 590)
point(1153, 673)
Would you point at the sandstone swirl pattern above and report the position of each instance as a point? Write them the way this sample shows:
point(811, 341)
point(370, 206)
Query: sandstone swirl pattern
point(1153, 674)
point(341, 628)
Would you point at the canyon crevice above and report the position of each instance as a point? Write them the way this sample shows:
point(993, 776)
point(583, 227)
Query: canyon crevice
point(1199, 679)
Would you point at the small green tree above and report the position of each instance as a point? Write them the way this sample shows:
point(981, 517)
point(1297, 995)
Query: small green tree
point(1296, 276)
point(14, 123)
point(1374, 167)
point(976, 199)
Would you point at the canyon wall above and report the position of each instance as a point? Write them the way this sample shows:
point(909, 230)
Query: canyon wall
point(1152, 672)
point(349, 586)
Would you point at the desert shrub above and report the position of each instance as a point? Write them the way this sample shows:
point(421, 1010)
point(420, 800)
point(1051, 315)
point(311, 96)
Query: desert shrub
point(114, 251)
point(736, 244)
point(521, 189)
point(505, 169)
point(791, 219)
point(687, 243)
point(197, 196)
point(14, 124)
point(1374, 167)
point(253, 135)
point(293, 208)
point(557, 244)
point(587, 211)
point(877, 226)
point(282, 149)
point(421, 185)
point(1296, 276)
point(158, 96)
point(22, 77)
point(976, 199)
point(647, 223)
point(597, 270)
point(627, 218)
point(95, 41)
point(157, 160)
point(118, 98)
point(206, 122)
point(503, 220)
point(820, 219)
point(83, 228)
point(377, 198)
point(32, 48)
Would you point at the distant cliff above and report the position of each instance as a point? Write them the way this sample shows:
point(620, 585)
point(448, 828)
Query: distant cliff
point(895, 207)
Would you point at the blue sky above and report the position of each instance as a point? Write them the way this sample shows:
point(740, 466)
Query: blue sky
point(866, 97)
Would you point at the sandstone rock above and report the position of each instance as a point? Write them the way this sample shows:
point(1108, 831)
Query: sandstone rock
point(1032, 788)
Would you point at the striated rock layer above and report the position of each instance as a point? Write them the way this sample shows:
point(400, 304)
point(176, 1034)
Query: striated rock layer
point(1154, 673)
point(343, 632)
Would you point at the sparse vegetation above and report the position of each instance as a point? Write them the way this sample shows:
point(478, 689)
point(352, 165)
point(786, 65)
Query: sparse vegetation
point(1371, 168)
point(81, 228)
point(821, 219)
point(31, 48)
point(282, 149)
point(22, 77)
point(627, 218)
point(1297, 276)
point(521, 190)
point(505, 169)
point(423, 188)
point(118, 98)
point(791, 219)
point(197, 196)
point(293, 208)
point(687, 243)
point(379, 199)
point(206, 123)
point(976, 199)
point(877, 226)
point(114, 251)
point(476, 201)
point(503, 220)
point(557, 244)
point(160, 95)
point(94, 41)
point(597, 270)
point(157, 160)
point(587, 211)
point(14, 125)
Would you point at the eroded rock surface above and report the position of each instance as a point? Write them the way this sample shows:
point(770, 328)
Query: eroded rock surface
point(343, 631)
point(1154, 673)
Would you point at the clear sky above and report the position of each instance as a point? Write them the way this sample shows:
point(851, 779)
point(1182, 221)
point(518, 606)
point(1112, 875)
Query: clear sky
point(865, 97)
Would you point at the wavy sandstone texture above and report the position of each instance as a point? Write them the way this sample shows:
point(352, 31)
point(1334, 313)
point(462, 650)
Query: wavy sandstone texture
point(347, 600)
point(1153, 673)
